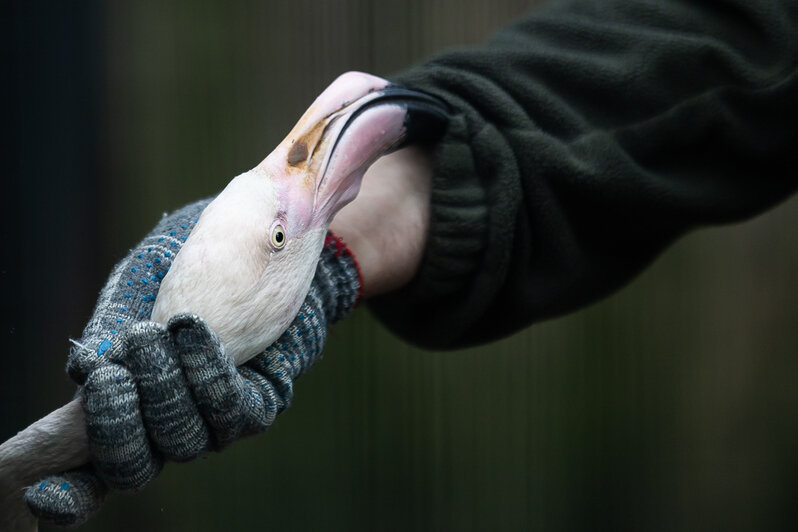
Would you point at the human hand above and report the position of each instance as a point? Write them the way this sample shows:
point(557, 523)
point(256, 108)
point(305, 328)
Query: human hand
point(172, 393)
point(386, 225)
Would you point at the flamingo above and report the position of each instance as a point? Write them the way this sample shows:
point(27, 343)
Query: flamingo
point(272, 220)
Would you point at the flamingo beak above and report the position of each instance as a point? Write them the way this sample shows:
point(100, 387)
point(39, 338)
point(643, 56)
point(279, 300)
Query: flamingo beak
point(319, 166)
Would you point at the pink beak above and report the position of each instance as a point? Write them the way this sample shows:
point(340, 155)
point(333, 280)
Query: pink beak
point(319, 166)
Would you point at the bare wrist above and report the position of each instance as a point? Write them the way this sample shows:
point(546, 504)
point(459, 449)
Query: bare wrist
point(386, 226)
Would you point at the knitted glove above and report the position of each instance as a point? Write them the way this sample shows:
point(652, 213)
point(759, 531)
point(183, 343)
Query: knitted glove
point(153, 392)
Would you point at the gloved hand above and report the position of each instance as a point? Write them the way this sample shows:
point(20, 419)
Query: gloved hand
point(153, 392)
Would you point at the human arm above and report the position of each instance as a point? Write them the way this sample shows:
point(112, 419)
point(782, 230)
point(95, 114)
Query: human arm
point(585, 139)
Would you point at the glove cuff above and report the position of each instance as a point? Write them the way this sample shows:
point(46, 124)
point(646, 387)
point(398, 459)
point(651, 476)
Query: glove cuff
point(338, 278)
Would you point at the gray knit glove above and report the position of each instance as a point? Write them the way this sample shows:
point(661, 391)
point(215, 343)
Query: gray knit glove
point(153, 393)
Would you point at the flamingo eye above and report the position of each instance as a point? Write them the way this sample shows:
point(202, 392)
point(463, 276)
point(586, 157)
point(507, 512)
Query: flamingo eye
point(278, 237)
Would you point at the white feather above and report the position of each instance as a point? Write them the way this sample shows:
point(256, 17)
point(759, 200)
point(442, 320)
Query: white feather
point(229, 274)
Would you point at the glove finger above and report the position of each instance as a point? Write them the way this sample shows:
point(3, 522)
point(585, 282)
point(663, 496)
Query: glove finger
point(221, 395)
point(303, 340)
point(117, 439)
point(270, 375)
point(81, 362)
point(294, 351)
point(168, 409)
point(68, 499)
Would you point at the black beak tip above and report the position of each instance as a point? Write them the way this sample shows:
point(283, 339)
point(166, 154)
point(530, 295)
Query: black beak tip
point(426, 118)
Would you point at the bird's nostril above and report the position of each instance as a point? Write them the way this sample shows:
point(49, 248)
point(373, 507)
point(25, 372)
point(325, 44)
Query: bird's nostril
point(297, 153)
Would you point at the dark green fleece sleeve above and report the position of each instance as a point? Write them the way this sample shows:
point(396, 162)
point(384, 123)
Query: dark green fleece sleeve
point(586, 138)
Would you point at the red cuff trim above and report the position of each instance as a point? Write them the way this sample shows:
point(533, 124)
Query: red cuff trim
point(341, 249)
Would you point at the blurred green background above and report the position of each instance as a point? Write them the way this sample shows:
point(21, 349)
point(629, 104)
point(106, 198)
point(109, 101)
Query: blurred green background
point(671, 405)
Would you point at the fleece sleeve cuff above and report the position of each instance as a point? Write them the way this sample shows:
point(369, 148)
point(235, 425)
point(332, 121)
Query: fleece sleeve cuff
point(436, 307)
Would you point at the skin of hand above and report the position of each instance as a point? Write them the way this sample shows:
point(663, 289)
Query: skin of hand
point(386, 226)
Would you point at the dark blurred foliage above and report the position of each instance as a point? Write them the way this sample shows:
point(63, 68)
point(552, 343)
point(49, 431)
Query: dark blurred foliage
point(671, 405)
